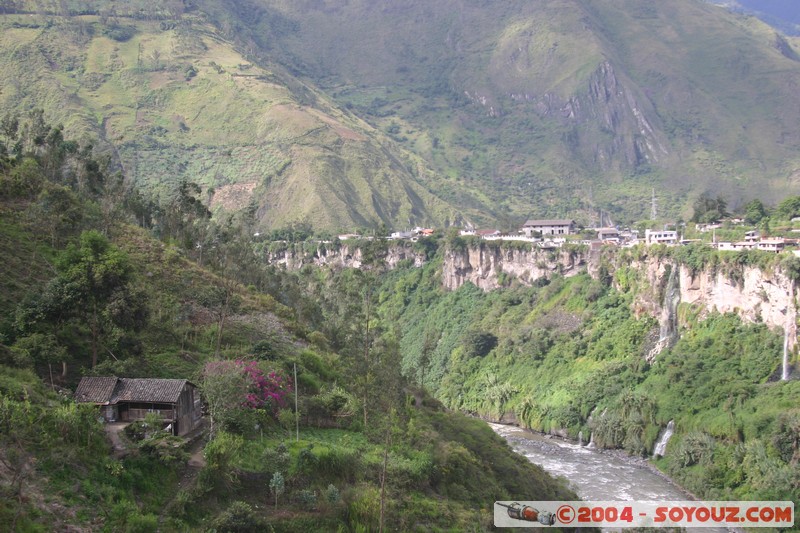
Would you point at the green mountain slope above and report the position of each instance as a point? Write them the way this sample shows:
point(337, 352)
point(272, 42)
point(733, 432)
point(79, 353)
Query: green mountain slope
point(559, 105)
point(174, 101)
point(86, 293)
point(347, 114)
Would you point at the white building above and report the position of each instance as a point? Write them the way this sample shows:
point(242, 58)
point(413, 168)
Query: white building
point(608, 234)
point(660, 237)
point(549, 227)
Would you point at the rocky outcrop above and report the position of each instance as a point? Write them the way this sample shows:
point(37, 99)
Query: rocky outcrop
point(753, 294)
point(296, 256)
point(491, 266)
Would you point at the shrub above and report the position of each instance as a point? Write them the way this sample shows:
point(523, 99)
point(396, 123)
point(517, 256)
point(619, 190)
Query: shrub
point(695, 448)
point(142, 523)
point(276, 460)
point(332, 494)
point(168, 449)
point(239, 517)
point(308, 498)
point(120, 33)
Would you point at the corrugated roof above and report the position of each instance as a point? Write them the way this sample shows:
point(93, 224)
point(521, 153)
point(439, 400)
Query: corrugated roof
point(95, 390)
point(113, 390)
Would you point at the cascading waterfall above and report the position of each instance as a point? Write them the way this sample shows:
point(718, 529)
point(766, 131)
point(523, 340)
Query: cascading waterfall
point(668, 321)
point(589, 421)
point(580, 438)
point(785, 371)
point(791, 324)
point(663, 439)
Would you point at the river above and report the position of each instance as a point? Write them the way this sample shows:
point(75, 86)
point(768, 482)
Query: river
point(592, 474)
point(595, 475)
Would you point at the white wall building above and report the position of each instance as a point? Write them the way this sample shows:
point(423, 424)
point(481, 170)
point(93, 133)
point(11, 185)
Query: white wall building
point(660, 237)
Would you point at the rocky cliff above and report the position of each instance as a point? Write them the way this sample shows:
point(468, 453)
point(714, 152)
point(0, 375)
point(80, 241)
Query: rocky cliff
point(754, 294)
point(490, 266)
point(296, 256)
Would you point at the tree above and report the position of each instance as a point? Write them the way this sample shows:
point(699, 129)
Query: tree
point(40, 348)
point(429, 344)
point(277, 486)
point(58, 211)
point(99, 273)
point(708, 209)
point(223, 387)
point(478, 343)
point(156, 57)
point(789, 208)
point(220, 299)
point(185, 211)
point(230, 386)
point(754, 212)
point(93, 288)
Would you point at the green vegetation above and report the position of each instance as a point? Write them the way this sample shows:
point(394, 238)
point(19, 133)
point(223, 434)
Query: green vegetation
point(97, 295)
point(348, 116)
point(569, 356)
point(467, 117)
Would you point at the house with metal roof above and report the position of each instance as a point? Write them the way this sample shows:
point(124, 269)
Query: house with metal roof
point(549, 227)
point(130, 399)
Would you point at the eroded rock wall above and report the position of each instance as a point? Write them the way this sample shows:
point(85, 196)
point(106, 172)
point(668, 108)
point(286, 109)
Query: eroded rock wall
point(755, 295)
point(487, 267)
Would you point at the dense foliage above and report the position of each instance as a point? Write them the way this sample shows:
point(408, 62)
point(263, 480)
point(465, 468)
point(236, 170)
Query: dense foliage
point(101, 296)
point(569, 356)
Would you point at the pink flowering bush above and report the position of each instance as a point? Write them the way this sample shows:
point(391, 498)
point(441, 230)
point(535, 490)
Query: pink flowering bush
point(248, 385)
point(268, 391)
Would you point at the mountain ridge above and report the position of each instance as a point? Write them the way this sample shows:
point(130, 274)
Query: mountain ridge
point(412, 114)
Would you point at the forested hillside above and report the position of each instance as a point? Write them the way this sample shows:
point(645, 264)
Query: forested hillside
point(569, 355)
point(87, 290)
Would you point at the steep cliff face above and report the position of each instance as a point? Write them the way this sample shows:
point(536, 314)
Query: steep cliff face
point(487, 266)
point(755, 295)
point(296, 256)
point(615, 124)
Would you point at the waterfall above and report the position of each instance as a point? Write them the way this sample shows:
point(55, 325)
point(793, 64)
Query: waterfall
point(668, 321)
point(785, 372)
point(788, 328)
point(591, 440)
point(580, 438)
point(663, 439)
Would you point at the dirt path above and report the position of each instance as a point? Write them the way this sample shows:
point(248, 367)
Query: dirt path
point(196, 459)
point(113, 429)
point(193, 467)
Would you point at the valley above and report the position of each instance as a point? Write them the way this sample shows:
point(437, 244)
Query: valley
point(206, 213)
